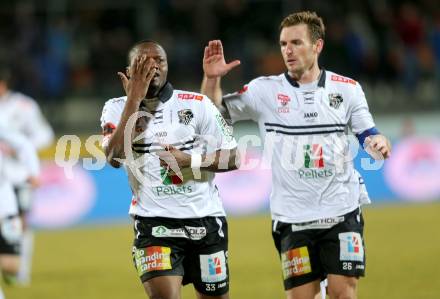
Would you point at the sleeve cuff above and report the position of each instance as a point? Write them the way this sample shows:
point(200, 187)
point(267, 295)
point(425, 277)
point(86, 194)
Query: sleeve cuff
point(361, 137)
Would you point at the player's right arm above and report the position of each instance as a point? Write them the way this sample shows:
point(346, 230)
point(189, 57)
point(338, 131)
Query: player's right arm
point(141, 72)
point(215, 67)
point(241, 105)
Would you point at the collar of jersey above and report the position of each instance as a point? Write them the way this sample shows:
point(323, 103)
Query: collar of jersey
point(321, 82)
point(166, 92)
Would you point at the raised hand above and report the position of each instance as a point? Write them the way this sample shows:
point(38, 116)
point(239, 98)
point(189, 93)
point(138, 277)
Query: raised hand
point(141, 74)
point(214, 64)
point(378, 146)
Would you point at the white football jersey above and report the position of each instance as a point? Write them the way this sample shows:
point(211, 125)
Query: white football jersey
point(188, 121)
point(24, 152)
point(305, 128)
point(20, 113)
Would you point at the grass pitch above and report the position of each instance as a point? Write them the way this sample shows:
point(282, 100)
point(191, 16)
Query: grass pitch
point(403, 259)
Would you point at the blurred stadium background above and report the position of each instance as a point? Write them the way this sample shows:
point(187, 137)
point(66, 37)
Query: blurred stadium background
point(66, 54)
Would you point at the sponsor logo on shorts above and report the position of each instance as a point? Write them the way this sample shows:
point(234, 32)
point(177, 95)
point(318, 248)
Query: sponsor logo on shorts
point(153, 258)
point(191, 232)
point(351, 247)
point(296, 262)
point(213, 267)
point(324, 223)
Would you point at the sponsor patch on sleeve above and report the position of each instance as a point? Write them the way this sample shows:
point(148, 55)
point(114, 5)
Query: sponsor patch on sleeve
point(296, 262)
point(108, 129)
point(153, 258)
point(343, 79)
point(213, 267)
point(225, 129)
point(351, 247)
point(243, 89)
point(189, 96)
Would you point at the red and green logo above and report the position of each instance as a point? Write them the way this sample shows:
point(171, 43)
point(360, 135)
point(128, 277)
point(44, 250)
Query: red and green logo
point(313, 156)
point(169, 179)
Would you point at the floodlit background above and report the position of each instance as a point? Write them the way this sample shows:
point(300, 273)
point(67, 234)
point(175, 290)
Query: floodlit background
point(66, 53)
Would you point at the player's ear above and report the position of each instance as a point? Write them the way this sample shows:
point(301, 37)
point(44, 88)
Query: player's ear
point(127, 72)
point(319, 45)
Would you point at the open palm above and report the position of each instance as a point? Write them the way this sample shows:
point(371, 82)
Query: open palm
point(214, 64)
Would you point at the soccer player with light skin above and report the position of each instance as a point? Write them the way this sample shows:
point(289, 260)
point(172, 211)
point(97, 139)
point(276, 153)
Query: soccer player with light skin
point(18, 146)
point(300, 214)
point(21, 114)
point(180, 225)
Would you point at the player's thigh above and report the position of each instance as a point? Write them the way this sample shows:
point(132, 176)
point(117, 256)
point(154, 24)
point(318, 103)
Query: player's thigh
point(204, 296)
point(206, 266)
point(309, 290)
point(340, 286)
point(10, 238)
point(163, 287)
point(23, 195)
point(300, 260)
point(342, 247)
point(155, 255)
point(9, 263)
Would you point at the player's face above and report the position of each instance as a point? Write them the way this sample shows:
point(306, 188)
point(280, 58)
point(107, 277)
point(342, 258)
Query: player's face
point(299, 53)
point(152, 50)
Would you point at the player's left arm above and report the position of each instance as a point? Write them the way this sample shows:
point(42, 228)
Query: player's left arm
point(375, 144)
point(222, 152)
point(222, 160)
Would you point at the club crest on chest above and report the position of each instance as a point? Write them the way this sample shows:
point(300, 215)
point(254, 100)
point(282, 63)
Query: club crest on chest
point(185, 116)
point(335, 100)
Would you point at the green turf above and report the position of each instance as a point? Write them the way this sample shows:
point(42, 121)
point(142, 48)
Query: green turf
point(403, 259)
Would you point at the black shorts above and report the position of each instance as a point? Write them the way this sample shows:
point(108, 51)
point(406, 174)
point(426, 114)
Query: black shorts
point(23, 193)
point(10, 235)
point(309, 252)
point(196, 249)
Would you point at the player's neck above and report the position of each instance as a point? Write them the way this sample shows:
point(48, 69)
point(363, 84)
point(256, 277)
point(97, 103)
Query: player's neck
point(309, 76)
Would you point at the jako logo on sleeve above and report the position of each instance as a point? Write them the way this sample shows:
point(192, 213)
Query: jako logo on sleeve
point(351, 247)
point(213, 267)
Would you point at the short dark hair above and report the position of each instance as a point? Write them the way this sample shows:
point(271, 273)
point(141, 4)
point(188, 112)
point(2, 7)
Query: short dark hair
point(311, 19)
point(133, 48)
